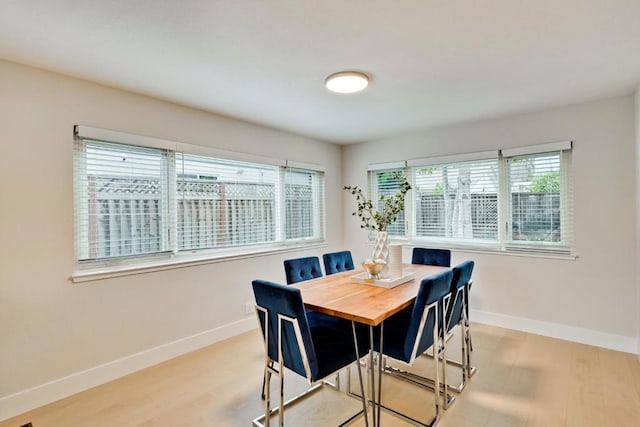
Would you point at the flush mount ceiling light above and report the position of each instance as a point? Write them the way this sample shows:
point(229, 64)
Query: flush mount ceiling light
point(347, 82)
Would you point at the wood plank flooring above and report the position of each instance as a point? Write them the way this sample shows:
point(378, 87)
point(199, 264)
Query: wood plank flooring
point(522, 380)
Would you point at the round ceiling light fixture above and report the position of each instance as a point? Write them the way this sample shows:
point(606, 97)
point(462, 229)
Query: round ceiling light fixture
point(347, 82)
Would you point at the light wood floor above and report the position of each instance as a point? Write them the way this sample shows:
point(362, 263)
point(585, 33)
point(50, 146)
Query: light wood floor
point(522, 380)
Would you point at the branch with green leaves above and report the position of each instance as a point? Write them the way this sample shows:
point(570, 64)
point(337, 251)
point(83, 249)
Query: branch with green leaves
point(376, 219)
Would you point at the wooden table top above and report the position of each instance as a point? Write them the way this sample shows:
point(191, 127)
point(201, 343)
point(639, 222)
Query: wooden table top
point(338, 296)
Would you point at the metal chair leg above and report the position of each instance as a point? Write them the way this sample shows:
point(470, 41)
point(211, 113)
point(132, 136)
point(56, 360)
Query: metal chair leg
point(270, 365)
point(267, 380)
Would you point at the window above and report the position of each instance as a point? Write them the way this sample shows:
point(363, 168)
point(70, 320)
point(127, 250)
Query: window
point(539, 212)
point(514, 200)
point(457, 200)
point(135, 201)
point(124, 200)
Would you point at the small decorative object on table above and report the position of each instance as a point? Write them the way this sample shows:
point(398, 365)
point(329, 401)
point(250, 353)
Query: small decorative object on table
point(378, 217)
point(374, 267)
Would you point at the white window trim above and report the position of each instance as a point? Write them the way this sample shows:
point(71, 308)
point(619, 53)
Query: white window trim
point(537, 149)
point(388, 165)
point(303, 165)
point(489, 250)
point(105, 135)
point(454, 158)
point(170, 261)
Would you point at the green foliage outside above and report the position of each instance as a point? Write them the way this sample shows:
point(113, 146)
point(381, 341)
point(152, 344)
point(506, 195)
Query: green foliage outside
point(546, 183)
point(386, 178)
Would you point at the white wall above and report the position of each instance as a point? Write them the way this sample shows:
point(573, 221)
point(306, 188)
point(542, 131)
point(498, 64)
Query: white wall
point(50, 329)
point(593, 299)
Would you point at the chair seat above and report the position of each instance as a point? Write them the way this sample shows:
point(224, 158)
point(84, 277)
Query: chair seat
point(395, 331)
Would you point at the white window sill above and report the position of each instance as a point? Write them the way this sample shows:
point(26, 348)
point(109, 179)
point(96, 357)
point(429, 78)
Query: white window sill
point(548, 255)
point(182, 260)
point(487, 249)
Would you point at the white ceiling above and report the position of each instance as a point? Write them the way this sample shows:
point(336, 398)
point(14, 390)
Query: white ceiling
point(432, 62)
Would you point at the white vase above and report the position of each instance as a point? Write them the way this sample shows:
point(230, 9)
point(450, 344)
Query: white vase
point(381, 250)
point(381, 246)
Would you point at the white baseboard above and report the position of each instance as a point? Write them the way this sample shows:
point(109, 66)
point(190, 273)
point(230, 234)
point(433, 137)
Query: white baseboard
point(26, 400)
point(556, 330)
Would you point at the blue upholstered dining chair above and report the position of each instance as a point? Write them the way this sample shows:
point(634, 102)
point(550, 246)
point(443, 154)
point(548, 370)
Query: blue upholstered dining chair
point(300, 269)
point(410, 332)
point(307, 343)
point(335, 262)
point(429, 256)
point(297, 270)
point(458, 315)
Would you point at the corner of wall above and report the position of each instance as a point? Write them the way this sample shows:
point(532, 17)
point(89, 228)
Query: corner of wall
point(637, 128)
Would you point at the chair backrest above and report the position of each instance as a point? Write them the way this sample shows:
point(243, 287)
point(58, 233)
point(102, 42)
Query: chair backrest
point(428, 256)
point(461, 277)
point(336, 262)
point(432, 289)
point(300, 269)
point(278, 300)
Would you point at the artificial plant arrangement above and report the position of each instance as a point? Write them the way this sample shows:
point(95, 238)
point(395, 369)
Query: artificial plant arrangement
point(378, 219)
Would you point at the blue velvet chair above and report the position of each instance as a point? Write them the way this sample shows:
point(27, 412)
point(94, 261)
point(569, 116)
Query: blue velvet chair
point(335, 262)
point(300, 269)
point(410, 332)
point(307, 343)
point(458, 315)
point(297, 270)
point(428, 256)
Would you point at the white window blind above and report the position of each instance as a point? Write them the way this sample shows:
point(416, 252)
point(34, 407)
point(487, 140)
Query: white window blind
point(540, 203)
point(135, 202)
point(303, 204)
point(224, 203)
point(387, 182)
point(457, 200)
point(122, 200)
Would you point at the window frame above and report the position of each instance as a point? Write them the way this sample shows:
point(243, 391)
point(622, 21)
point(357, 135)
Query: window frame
point(171, 256)
point(566, 245)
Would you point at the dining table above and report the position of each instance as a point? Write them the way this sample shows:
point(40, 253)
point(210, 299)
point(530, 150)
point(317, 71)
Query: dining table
point(368, 303)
